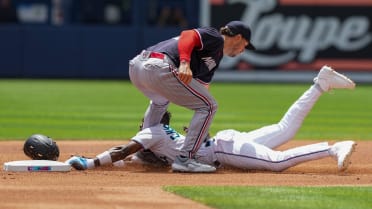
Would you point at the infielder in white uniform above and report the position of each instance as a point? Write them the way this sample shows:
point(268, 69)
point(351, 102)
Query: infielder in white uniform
point(244, 150)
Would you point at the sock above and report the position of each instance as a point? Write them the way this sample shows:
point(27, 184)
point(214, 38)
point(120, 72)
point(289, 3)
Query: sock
point(318, 87)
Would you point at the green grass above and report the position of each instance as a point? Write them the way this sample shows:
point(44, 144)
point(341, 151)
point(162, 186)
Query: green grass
point(61, 109)
point(95, 109)
point(239, 197)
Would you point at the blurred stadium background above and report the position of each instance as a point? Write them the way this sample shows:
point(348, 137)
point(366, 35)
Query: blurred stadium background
point(95, 39)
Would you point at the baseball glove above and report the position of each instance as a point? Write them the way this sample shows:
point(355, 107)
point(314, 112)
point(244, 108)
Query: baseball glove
point(149, 158)
point(40, 147)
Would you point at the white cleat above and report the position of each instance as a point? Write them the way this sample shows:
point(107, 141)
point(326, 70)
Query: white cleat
point(182, 164)
point(329, 79)
point(342, 151)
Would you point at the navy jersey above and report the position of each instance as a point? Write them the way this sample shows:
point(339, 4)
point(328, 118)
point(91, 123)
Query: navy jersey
point(204, 61)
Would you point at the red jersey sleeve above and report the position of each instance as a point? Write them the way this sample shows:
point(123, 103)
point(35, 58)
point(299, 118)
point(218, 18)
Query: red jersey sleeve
point(188, 40)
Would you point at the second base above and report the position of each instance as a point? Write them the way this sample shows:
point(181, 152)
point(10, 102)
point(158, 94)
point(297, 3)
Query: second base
point(36, 165)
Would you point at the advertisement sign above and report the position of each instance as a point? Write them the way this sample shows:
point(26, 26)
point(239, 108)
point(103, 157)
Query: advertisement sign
point(299, 34)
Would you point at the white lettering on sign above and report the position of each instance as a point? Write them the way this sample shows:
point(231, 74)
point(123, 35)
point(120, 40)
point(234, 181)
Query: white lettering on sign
point(297, 37)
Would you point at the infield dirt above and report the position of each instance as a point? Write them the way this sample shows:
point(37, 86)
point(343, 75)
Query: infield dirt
point(139, 187)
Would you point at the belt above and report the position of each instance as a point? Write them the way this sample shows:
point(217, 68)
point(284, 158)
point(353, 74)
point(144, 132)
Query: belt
point(149, 54)
point(157, 55)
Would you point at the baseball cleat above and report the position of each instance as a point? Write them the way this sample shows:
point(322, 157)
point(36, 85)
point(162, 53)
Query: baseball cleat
point(342, 151)
point(329, 79)
point(182, 164)
point(79, 163)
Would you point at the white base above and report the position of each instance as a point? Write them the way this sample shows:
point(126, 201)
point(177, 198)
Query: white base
point(36, 165)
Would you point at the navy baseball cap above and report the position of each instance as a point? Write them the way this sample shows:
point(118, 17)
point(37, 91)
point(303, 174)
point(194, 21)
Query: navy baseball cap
point(238, 27)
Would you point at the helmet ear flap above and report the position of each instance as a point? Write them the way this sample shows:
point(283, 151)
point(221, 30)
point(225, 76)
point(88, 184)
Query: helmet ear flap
point(40, 147)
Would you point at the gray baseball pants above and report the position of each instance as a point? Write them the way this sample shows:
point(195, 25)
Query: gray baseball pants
point(157, 79)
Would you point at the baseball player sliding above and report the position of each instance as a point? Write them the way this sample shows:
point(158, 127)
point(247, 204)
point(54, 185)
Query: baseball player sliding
point(244, 150)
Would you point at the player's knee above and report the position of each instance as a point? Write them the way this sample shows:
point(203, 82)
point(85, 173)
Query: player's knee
point(213, 107)
point(210, 108)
